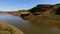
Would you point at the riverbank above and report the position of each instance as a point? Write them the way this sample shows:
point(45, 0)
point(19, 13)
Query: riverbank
point(6, 28)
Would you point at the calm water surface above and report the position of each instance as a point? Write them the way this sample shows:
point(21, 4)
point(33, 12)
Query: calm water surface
point(27, 27)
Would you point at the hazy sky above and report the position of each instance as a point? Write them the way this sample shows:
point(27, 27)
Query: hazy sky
point(23, 4)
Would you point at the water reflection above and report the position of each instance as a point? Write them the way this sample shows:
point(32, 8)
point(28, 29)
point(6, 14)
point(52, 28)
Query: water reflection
point(27, 27)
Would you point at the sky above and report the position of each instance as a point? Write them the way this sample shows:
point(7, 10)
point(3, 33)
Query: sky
point(12, 5)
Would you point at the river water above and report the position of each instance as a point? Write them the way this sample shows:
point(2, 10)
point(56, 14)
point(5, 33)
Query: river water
point(27, 27)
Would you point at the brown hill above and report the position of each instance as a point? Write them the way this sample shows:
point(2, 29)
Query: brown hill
point(43, 13)
point(41, 8)
point(45, 8)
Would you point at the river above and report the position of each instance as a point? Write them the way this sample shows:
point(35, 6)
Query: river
point(26, 26)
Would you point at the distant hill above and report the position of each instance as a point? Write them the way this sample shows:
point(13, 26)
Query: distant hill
point(41, 8)
point(41, 13)
point(45, 9)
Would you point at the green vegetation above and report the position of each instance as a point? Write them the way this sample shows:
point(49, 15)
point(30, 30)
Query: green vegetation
point(8, 29)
